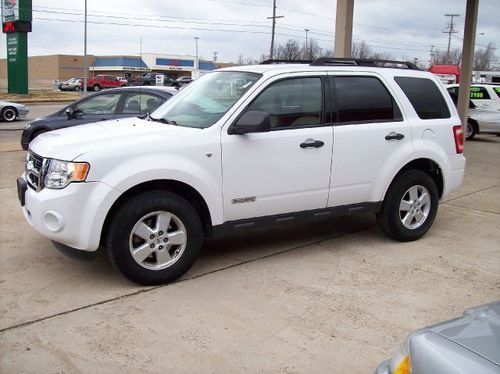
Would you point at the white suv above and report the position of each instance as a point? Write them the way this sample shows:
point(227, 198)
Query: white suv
point(244, 147)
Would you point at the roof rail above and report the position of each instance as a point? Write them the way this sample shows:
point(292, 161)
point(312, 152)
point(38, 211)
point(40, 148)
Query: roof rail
point(284, 61)
point(322, 61)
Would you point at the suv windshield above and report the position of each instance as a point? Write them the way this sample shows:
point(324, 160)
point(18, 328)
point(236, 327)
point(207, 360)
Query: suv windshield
point(206, 100)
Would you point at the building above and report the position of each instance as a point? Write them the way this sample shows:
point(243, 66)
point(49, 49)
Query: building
point(45, 71)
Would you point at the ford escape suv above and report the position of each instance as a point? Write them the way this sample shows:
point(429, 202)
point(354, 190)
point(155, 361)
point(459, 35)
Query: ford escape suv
point(244, 147)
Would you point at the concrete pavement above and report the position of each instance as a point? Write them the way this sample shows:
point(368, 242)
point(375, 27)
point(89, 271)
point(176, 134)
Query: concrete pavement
point(333, 297)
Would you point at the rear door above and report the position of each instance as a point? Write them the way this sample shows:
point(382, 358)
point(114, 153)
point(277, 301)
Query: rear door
point(96, 108)
point(368, 130)
point(137, 103)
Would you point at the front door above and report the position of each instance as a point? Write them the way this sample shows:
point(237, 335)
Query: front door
point(288, 168)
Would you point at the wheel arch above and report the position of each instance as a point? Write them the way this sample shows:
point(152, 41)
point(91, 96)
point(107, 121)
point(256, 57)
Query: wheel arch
point(474, 124)
point(180, 188)
point(426, 165)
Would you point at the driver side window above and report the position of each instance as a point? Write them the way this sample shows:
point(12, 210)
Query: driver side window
point(100, 104)
point(292, 102)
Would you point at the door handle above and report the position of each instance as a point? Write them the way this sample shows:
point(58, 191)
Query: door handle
point(311, 143)
point(394, 136)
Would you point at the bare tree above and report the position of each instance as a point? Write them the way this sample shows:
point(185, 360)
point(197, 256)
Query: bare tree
point(484, 58)
point(313, 50)
point(289, 51)
point(454, 58)
point(363, 50)
point(240, 60)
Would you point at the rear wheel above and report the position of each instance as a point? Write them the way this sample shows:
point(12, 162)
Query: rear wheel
point(155, 237)
point(470, 130)
point(96, 87)
point(77, 88)
point(410, 206)
point(9, 114)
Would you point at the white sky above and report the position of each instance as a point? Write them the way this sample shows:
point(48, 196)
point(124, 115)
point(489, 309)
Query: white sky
point(404, 28)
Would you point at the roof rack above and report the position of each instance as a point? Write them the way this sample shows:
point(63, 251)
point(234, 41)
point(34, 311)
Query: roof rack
point(281, 61)
point(322, 61)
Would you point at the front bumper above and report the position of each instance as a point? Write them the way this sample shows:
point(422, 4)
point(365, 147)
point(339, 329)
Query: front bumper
point(73, 216)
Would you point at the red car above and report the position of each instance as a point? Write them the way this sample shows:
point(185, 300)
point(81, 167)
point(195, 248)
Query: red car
point(99, 82)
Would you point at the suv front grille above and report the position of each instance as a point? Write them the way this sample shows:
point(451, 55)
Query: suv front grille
point(35, 171)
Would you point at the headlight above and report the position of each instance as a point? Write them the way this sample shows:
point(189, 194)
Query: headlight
point(401, 361)
point(61, 173)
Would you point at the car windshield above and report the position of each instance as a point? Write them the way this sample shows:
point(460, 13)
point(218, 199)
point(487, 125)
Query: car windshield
point(206, 100)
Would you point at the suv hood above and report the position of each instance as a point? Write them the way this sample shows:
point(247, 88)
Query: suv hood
point(477, 330)
point(69, 143)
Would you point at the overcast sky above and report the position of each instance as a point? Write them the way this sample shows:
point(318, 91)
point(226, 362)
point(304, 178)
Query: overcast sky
point(404, 28)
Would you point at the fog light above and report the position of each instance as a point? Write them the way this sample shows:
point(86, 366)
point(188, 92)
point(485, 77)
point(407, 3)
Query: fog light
point(53, 221)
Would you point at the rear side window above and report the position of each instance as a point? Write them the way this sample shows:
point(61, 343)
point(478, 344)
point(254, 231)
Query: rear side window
point(479, 93)
point(364, 99)
point(425, 97)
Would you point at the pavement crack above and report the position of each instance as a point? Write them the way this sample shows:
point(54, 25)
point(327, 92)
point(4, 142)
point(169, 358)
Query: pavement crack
point(468, 194)
point(468, 208)
point(149, 289)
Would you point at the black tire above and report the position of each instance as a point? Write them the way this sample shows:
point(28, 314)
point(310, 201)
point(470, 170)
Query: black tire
point(470, 130)
point(120, 238)
point(77, 88)
point(9, 114)
point(390, 217)
point(96, 87)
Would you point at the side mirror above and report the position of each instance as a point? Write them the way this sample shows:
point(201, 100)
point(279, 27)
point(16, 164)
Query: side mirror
point(251, 122)
point(70, 113)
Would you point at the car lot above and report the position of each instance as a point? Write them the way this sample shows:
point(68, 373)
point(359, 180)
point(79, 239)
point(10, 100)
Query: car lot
point(331, 297)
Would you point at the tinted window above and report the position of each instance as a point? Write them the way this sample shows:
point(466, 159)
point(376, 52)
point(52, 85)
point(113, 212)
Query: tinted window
point(100, 104)
point(479, 93)
point(497, 90)
point(291, 102)
point(424, 96)
point(141, 103)
point(364, 99)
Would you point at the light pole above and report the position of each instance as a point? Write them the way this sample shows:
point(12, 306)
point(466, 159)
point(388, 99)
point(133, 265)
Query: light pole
point(307, 51)
point(196, 61)
point(85, 65)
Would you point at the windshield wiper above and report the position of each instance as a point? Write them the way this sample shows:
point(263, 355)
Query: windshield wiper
point(162, 120)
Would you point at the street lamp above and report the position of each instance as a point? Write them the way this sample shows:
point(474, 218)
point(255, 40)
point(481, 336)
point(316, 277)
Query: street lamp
point(196, 61)
point(307, 51)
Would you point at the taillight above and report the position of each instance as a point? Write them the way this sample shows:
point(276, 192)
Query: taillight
point(458, 133)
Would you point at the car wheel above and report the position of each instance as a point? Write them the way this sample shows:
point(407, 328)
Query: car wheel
point(409, 207)
point(9, 114)
point(470, 130)
point(155, 237)
point(77, 88)
point(96, 87)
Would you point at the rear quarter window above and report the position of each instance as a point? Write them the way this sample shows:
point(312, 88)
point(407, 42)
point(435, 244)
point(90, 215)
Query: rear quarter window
point(424, 96)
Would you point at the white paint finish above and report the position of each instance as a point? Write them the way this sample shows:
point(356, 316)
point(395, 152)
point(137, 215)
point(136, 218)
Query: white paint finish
point(274, 168)
point(488, 120)
point(362, 158)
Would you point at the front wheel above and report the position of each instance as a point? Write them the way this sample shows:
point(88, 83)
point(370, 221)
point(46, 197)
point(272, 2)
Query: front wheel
point(9, 114)
point(96, 87)
point(155, 237)
point(409, 207)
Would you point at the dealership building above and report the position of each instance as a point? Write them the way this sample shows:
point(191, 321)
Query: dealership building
point(45, 71)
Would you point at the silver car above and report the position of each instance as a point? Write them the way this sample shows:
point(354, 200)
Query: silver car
point(11, 111)
point(466, 345)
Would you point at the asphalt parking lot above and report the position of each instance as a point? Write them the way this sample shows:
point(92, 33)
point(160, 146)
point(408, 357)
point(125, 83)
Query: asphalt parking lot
point(334, 297)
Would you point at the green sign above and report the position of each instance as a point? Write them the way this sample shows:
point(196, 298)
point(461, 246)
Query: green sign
point(17, 13)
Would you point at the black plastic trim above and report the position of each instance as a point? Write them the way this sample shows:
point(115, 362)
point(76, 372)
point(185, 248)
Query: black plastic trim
point(75, 254)
point(294, 217)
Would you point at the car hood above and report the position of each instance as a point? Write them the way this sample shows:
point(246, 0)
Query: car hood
point(477, 330)
point(69, 143)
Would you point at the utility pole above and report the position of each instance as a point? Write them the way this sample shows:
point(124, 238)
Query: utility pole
point(271, 52)
point(196, 61)
point(449, 32)
point(215, 56)
point(431, 61)
point(85, 65)
point(307, 51)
